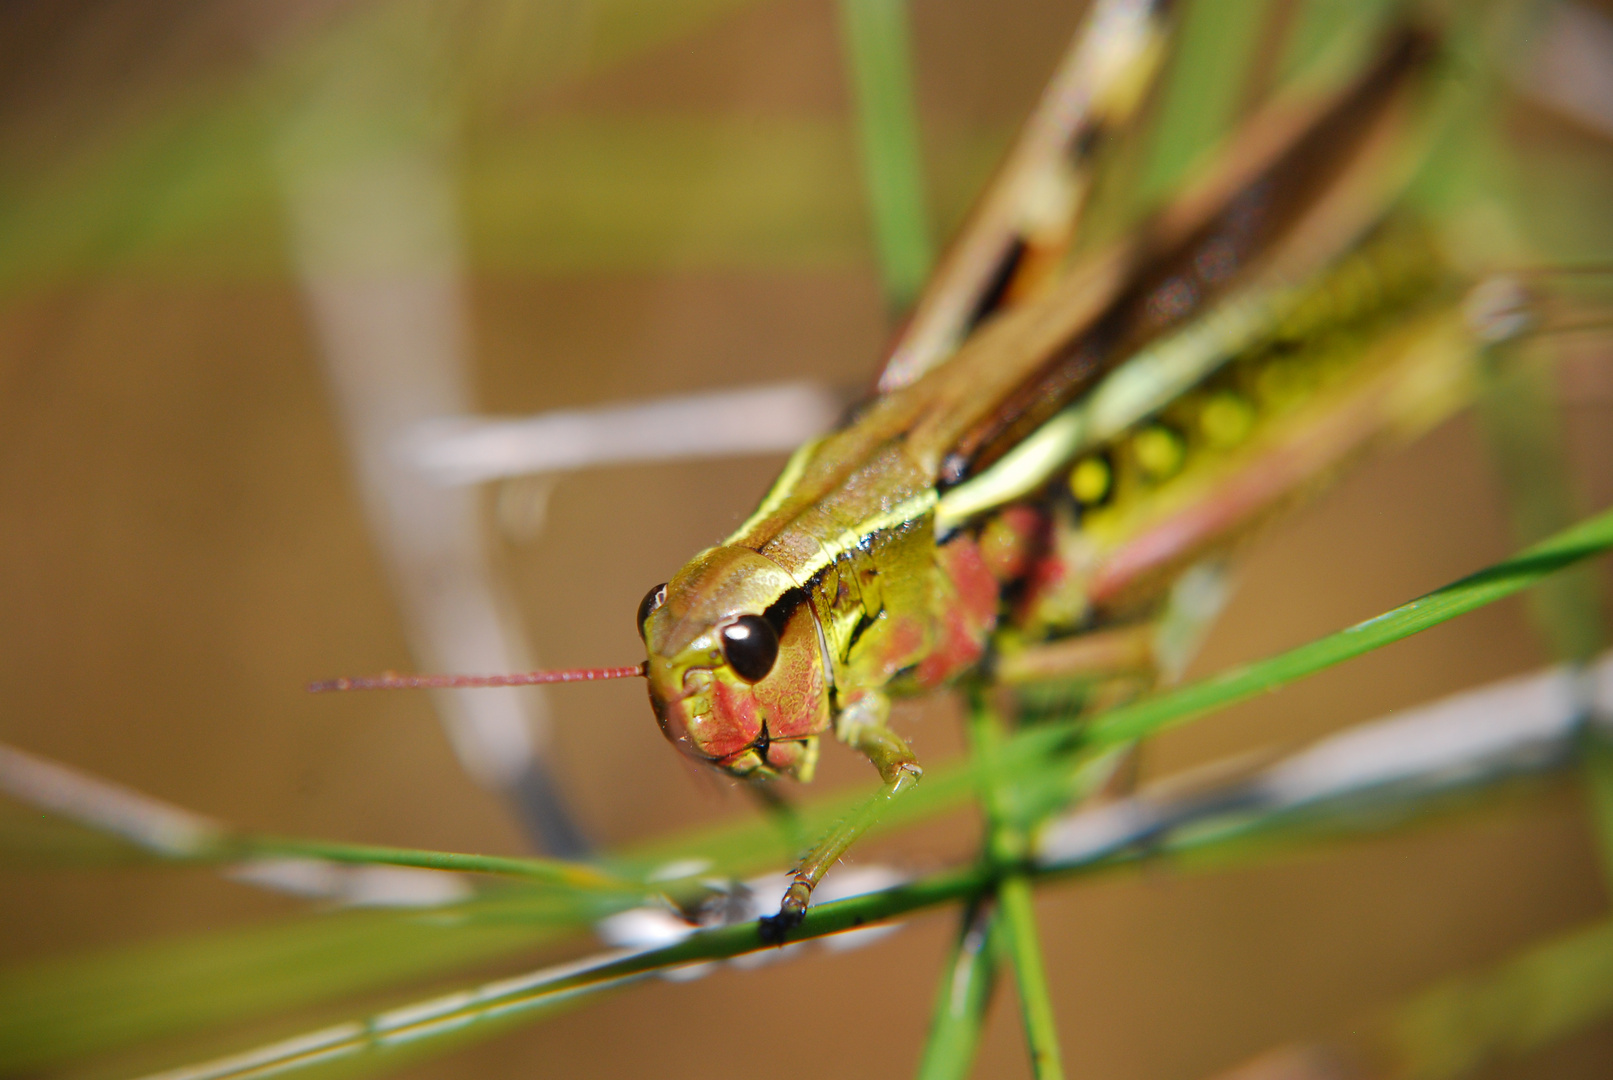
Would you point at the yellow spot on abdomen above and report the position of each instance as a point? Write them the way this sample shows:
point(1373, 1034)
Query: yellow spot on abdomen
point(1160, 451)
point(1091, 480)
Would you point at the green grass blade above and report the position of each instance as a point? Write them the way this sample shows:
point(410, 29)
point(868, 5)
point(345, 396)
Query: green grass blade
point(1330, 37)
point(1527, 1002)
point(1030, 977)
point(69, 1006)
point(1524, 427)
point(556, 873)
point(971, 970)
point(1471, 1023)
point(961, 1000)
point(562, 197)
point(1228, 56)
point(164, 832)
point(33, 839)
point(1007, 843)
point(876, 38)
point(180, 186)
point(490, 1007)
point(66, 1008)
point(1204, 89)
point(1529, 567)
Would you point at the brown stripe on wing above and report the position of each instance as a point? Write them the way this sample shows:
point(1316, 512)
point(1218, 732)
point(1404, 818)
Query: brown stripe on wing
point(1202, 248)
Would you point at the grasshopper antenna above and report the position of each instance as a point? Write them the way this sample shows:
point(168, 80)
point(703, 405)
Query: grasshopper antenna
point(391, 680)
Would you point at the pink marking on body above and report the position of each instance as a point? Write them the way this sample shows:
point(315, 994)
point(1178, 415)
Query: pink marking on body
point(972, 581)
point(787, 756)
point(961, 647)
point(1010, 541)
point(968, 616)
point(794, 696)
point(1047, 576)
point(904, 640)
point(733, 723)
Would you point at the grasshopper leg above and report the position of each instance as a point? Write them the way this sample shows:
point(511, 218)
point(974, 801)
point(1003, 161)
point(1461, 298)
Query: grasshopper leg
point(899, 769)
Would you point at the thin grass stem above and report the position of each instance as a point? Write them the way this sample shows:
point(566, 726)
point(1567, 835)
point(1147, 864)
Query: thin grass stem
point(1523, 428)
point(1207, 82)
point(880, 59)
point(175, 834)
point(1023, 945)
point(567, 875)
point(1007, 844)
point(964, 995)
point(1532, 999)
point(1173, 708)
point(1471, 1023)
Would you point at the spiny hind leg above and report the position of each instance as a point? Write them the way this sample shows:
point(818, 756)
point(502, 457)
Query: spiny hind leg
point(863, 728)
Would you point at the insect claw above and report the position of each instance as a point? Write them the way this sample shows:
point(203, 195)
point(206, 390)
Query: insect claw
point(775, 929)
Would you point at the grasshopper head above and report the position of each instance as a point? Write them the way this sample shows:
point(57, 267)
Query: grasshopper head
point(736, 667)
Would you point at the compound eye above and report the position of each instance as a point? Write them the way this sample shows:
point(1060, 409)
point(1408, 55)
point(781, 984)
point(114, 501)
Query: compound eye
point(652, 600)
point(750, 646)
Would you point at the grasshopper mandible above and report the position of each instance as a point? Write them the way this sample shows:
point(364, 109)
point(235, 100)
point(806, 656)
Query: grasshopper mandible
point(1019, 505)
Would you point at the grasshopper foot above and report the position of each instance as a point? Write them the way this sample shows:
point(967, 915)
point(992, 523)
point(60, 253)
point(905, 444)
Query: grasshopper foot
point(775, 928)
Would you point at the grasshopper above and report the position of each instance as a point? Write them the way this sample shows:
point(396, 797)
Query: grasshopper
point(1050, 449)
point(947, 526)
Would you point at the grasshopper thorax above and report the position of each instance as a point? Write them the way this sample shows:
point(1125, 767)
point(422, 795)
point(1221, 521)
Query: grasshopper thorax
point(737, 673)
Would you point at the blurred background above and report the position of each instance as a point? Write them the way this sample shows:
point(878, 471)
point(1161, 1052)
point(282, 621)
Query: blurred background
point(247, 248)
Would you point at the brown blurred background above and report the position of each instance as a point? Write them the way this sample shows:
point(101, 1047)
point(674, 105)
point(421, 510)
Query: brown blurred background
point(182, 549)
